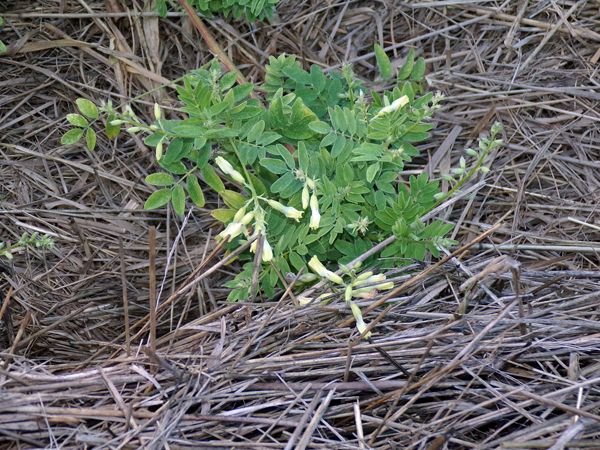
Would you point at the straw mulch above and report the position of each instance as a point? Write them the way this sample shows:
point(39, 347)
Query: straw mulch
point(494, 346)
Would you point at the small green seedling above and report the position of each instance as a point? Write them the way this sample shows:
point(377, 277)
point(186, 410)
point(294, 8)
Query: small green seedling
point(250, 10)
point(27, 240)
point(83, 124)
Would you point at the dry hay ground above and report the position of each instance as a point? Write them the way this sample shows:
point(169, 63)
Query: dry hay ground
point(520, 367)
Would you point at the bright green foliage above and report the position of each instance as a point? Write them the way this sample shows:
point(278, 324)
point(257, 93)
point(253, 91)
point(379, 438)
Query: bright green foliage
point(89, 111)
point(2, 44)
point(238, 9)
point(313, 172)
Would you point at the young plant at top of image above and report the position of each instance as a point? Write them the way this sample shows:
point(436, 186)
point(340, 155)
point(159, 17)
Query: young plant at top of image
point(250, 10)
point(311, 174)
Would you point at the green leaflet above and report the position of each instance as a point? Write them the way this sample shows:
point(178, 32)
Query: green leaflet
point(383, 62)
point(158, 199)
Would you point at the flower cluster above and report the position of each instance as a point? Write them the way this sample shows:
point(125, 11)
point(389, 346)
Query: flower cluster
point(365, 285)
point(310, 199)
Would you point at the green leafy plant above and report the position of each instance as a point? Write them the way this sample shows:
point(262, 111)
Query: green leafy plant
point(247, 9)
point(312, 177)
point(2, 44)
point(27, 240)
point(82, 124)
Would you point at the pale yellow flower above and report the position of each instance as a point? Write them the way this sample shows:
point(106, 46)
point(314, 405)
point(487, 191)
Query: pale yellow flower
point(394, 106)
point(287, 211)
point(318, 268)
point(315, 216)
point(228, 169)
point(361, 326)
point(159, 150)
point(267, 252)
point(304, 300)
point(305, 196)
point(231, 231)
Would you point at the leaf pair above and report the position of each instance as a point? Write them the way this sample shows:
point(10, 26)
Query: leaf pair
point(82, 125)
point(175, 193)
point(413, 69)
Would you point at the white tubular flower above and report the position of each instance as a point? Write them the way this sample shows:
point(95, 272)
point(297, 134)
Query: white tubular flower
point(348, 293)
point(362, 277)
point(375, 278)
point(159, 150)
point(129, 111)
point(395, 106)
point(371, 291)
point(267, 251)
point(318, 268)
point(315, 216)
point(247, 218)
point(304, 300)
point(361, 326)
point(364, 293)
point(157, 111)
point(305, 196)
point(239, 214)
point(307, 278)
point(228, 169)
point(287, 211)
point(372, 284)
point(231, 231)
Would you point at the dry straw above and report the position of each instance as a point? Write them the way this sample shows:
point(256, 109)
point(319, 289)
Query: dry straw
point(501, 341)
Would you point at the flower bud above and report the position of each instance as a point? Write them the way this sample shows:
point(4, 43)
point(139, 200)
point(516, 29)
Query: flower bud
point(307, 278)
point(228, 169)
point(362, 277)
point(305, 196)
point(395, 106)
point(159, 150)
point(348, 293)
point(304, 300)
point(231, 231)
point(247, 218)
point(157, 112)
point(318, 268)
point(267, 252)
point(375, 278)
point(287, 211)
point(361, 326)
point(315, 217)
point(239, 214)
